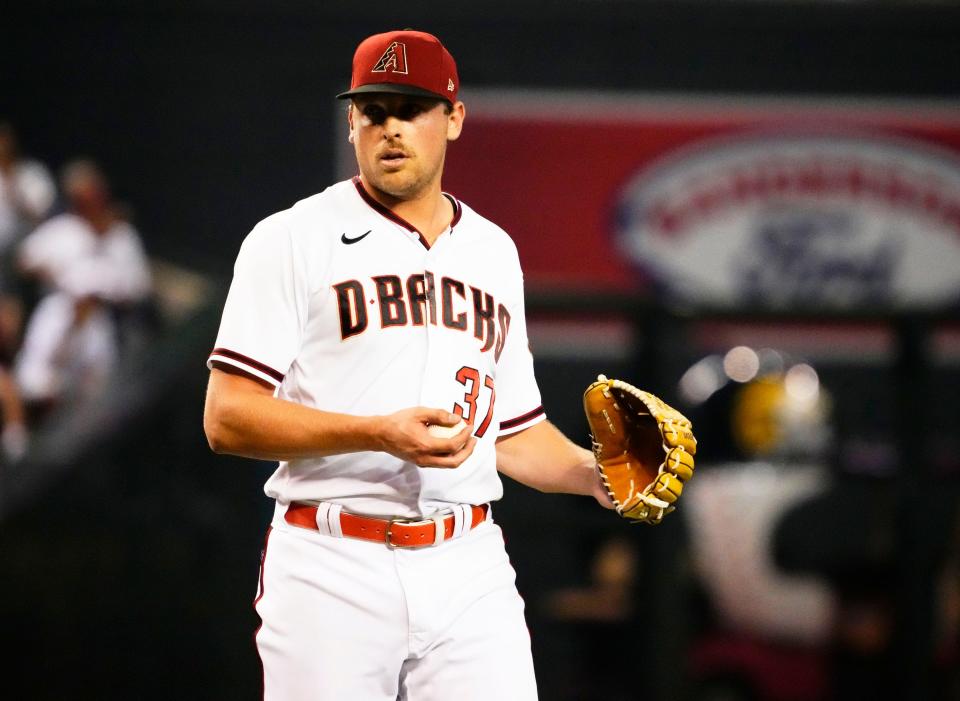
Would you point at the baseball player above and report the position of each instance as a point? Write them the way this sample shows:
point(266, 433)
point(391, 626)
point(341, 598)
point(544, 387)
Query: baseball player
point(373, 342)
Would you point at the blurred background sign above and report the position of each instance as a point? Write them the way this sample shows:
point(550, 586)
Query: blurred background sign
point(722, 201)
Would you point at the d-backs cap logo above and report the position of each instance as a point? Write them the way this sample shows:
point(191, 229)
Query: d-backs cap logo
point(406, 62)
point(394, 59)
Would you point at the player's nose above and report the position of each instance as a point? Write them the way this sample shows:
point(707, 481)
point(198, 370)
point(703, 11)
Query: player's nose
point(391, 127)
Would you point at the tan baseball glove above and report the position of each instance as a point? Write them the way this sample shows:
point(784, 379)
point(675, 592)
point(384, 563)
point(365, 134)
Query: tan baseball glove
point(644, 448)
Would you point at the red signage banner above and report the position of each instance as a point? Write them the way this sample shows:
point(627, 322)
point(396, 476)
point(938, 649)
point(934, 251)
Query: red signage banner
point(720, 200)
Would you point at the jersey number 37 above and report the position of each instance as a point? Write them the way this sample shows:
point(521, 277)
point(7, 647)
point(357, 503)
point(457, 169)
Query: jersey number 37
point(470, 379)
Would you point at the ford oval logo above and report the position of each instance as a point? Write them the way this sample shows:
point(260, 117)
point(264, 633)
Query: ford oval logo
point(799, 220)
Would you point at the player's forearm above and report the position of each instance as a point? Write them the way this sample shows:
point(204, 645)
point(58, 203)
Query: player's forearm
point(242, 417)
point(265, 427)
point(543, 458)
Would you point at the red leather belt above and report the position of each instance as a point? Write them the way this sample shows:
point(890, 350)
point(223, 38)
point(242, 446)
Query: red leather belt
point(395, 533)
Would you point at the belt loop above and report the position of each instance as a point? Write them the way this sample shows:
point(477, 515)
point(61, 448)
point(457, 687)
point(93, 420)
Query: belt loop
point(462, 519)
point(457, 522)
point(328, 519)
point(323, 525)
point(336, 527)
point(438, 520)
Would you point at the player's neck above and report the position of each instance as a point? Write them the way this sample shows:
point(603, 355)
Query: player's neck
point(429, 211)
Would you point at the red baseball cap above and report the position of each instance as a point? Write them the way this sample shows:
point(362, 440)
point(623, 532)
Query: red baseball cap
point(405, 62)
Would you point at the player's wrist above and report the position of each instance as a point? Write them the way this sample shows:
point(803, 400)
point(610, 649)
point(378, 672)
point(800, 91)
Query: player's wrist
point(373, 432)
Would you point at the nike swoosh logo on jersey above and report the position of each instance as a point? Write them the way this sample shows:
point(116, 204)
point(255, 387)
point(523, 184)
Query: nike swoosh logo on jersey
point(343, 237)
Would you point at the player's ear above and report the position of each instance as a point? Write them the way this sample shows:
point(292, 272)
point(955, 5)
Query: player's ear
point(350, 122)
point(455, 121)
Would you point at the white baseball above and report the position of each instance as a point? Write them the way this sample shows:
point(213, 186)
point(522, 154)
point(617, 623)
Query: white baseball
point(441, 431)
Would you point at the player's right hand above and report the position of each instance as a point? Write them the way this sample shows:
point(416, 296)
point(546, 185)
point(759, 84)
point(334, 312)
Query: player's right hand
point(404, 434)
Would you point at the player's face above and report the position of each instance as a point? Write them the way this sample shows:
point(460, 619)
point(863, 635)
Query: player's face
point(401, 141)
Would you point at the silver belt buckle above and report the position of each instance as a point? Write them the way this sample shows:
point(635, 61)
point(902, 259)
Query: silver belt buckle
point(388, 537)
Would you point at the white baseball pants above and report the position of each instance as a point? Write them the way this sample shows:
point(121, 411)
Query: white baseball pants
point(352, 620)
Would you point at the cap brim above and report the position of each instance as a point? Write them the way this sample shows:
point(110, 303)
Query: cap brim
point(392, 88)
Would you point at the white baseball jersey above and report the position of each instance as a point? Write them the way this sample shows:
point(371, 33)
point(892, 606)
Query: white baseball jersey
point(343, 306)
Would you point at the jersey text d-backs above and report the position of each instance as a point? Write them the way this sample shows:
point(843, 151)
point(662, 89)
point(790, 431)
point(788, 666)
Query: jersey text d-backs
point(342, 306)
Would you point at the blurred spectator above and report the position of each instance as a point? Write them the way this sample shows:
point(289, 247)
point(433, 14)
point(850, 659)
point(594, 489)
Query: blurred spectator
point(799, 562)
point(91, 265)
point(26, 194)
point(866, 569)
point(764, 423)
point(26, 191)
point(13, 435)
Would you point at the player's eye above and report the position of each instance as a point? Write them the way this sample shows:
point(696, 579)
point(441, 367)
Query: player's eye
point(375, 113)
point(408, 111)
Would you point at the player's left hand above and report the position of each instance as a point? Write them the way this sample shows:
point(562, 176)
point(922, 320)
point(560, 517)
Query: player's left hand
point(643, 446)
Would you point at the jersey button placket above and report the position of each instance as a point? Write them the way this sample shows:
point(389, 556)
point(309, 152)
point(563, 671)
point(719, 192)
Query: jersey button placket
point(429, 379)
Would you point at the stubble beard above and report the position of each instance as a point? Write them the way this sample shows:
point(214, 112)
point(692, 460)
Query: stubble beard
point(407, 183)
point(399, 184)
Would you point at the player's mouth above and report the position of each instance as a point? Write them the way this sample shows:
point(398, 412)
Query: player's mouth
point(393, 158)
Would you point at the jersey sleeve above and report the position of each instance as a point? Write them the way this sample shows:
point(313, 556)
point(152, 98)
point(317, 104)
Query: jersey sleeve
point(518, 396)
point(266, 308)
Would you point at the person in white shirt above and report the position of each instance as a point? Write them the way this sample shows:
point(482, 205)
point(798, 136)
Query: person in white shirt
point(89, 261)
point(27, 193)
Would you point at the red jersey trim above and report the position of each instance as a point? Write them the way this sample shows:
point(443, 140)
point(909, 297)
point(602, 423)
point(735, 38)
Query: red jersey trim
point(513, 423)
point(457, 210)
point(388, 213)
point(256, 365)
